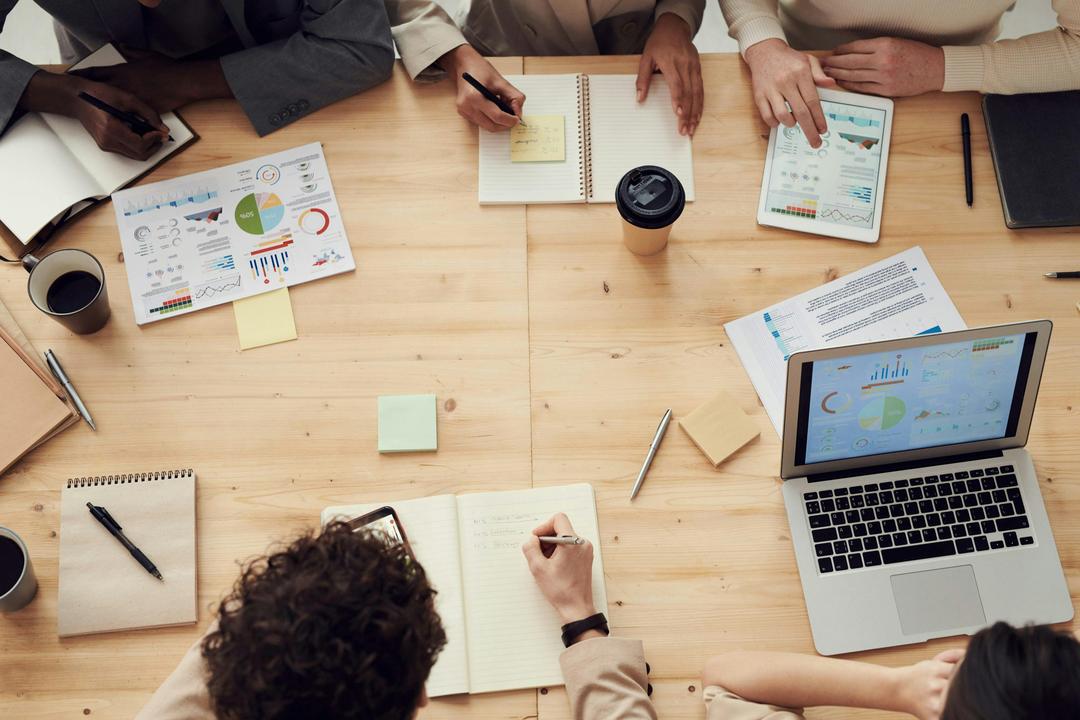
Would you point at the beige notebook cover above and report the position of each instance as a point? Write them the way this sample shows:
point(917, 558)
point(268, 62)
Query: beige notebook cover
point(102, 587)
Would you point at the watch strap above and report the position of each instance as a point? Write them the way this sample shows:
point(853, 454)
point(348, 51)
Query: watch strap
point(571, 631)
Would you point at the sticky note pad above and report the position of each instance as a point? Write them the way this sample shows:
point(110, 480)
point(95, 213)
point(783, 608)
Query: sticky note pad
point(719, 428)
point(541, 139)
point(264, 319)
point(407, 424)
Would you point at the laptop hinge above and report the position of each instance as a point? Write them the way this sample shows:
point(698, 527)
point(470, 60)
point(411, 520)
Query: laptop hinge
point(907, 465)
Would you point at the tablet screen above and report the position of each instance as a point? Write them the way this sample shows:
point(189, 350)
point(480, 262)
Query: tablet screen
point(837, 183)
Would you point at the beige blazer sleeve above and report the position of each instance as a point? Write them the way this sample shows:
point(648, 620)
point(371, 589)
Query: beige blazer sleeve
point(723, 705)
point(183, 695)
point(423, 32)
point(1041, 62)
point(606, 678)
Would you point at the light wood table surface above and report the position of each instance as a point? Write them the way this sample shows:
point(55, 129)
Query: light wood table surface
point(553, 352)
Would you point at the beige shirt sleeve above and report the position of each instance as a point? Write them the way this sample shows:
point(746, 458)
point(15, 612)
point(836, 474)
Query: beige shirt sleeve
point(605, 678)
point(689, 10)
point(423, 32)
point(723, 705)
point(1042, 62)
point(751, 21)
point(183, 695)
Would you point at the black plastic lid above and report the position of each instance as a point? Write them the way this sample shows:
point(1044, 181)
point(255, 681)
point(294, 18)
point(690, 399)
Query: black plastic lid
point(650, 197)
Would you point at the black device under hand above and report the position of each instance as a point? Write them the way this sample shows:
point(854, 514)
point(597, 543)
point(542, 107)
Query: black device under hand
point(490, 96)
point(138, 125)
point(102, 516)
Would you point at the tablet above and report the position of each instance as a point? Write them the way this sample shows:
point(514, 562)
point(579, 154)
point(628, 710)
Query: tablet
point(837, 189)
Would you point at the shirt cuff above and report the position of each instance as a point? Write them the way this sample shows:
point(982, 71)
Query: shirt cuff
point(757, 30)
point(964, 67)
point(691, 12)
point(419, 63)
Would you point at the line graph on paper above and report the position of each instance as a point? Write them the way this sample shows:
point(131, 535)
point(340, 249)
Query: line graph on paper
point(218, 287)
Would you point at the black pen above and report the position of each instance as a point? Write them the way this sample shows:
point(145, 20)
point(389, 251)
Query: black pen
point(965, 134)
point(1069, 275)
point(138, 125)
point(488, 95)
point(102, 516)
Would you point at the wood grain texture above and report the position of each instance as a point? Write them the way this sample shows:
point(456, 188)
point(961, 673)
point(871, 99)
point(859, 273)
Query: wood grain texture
point(553, 352)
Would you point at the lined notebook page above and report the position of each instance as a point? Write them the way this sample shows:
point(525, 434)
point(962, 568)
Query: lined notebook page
point(514, 637)
point(626, 134)
point(431, 526)
point(102, 587)
point(502, 181)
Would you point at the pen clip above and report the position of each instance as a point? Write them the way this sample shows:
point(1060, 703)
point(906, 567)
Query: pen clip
point(109, 517)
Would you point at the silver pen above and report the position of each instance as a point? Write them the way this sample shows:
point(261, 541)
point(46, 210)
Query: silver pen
point(664, 421)
point(58, 372)
point(562, 539)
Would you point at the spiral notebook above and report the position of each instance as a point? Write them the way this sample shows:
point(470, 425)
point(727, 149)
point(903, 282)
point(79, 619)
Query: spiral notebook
point(102, 587)
point(607, 132)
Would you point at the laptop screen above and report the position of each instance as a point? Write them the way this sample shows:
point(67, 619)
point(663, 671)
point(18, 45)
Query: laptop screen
point(875, 403)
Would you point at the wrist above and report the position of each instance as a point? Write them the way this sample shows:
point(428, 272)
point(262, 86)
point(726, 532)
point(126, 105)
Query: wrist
point(896, 696)
point(576, 611)
point(52, 93)
point(763, 48)
point(454, 60)
point(199, 80)
point(671, 21)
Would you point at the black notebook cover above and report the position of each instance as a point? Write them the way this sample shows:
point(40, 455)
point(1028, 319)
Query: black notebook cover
point(1035, 143)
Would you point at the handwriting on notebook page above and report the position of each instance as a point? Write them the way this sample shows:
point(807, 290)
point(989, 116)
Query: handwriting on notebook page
point(541, 139)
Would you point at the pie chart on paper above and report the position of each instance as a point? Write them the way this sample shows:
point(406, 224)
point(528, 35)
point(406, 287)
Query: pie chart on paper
point(259, 213)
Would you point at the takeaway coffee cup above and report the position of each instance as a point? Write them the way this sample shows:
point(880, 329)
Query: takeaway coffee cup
point(17, 582)
point(69, 285)
point(650, 199)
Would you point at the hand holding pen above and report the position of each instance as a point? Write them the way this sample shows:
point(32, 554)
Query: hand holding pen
point(472, 104)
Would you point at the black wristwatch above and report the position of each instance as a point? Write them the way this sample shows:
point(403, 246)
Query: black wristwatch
point(572, 631)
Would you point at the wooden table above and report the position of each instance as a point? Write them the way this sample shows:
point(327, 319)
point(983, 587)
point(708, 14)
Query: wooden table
point(553, 352)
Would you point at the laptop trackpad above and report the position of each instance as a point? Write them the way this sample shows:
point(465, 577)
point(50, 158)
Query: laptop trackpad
point(935, 600)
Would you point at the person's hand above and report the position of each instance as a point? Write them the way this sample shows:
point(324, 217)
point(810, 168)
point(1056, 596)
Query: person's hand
point(888, 66)
point(924, 685)
point(670, 50)
point(562, 572)
point(160, 81)
point(111, 134)
point(473, 106)
point(785, 83)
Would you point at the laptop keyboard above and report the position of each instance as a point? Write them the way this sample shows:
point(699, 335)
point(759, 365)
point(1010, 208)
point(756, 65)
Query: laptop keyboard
point(875, 524)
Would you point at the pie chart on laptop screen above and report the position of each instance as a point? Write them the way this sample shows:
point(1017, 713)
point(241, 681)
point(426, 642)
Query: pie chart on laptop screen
point(259, 213)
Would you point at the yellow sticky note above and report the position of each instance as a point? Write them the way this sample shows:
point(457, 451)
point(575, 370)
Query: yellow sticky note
point(264, 319)
point(541, 139)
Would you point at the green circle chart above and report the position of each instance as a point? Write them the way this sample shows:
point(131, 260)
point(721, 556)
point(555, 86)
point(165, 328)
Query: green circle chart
point(259, 213)
point(882, 413)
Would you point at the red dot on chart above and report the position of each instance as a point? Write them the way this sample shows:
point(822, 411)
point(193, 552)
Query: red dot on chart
point(266, 281)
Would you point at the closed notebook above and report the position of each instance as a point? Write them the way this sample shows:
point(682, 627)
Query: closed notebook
point(501, 632)
point(102, 587)
point(607, 133)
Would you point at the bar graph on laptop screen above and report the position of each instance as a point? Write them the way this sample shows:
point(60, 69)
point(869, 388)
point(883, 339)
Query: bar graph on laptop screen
point(877, 403)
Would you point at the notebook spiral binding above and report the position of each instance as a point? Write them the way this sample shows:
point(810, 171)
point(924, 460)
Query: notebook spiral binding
point(585, 132)
point(124, 479)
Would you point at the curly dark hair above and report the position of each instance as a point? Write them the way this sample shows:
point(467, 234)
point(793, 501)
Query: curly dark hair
point(1009, 673)
point(337, 625)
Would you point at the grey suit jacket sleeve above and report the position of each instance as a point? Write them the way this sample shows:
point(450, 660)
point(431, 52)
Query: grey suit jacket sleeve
point(342, 47)
point(14, 74)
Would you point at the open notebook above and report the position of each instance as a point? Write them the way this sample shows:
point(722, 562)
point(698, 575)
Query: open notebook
point(501, 633)
point(50, 165)
point(607, 133)
point(102, 587)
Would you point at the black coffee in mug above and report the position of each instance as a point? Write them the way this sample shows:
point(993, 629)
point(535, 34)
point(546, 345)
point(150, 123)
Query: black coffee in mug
point(72, 291)
point(12, 562)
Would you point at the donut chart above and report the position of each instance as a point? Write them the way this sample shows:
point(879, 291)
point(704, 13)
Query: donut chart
point(314, 221)
point(259, 213)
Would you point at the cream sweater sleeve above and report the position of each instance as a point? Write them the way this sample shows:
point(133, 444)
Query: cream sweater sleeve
point(751, 21)
point(1043, 62)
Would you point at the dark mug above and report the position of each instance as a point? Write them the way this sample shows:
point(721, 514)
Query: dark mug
point(17, 582)
point(69, 285)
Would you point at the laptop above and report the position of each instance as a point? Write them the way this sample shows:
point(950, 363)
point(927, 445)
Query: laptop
point(914, 507)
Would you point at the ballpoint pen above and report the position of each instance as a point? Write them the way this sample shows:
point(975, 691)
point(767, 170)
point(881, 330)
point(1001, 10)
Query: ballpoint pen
point(562, 539)
point(492, 97)
point(102, 516)
point(138, 125)
point(965, 136)
point(58, 372)
point(664, 421)
point(1069, 275)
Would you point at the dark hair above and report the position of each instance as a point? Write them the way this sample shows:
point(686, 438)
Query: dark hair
point(337, 625)
point(1028, 673)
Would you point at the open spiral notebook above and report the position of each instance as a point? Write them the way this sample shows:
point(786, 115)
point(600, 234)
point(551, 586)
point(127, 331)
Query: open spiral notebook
point(607, 133)
point(102, 587)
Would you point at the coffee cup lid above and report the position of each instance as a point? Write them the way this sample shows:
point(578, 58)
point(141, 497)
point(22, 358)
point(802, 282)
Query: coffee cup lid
point(650, 197)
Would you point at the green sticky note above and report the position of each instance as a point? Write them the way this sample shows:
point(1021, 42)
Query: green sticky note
point(407, 424)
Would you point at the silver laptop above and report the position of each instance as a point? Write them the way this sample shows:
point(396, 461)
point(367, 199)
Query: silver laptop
point(915, 510)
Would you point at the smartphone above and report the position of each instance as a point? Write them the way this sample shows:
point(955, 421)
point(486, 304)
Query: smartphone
point(383, 523)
